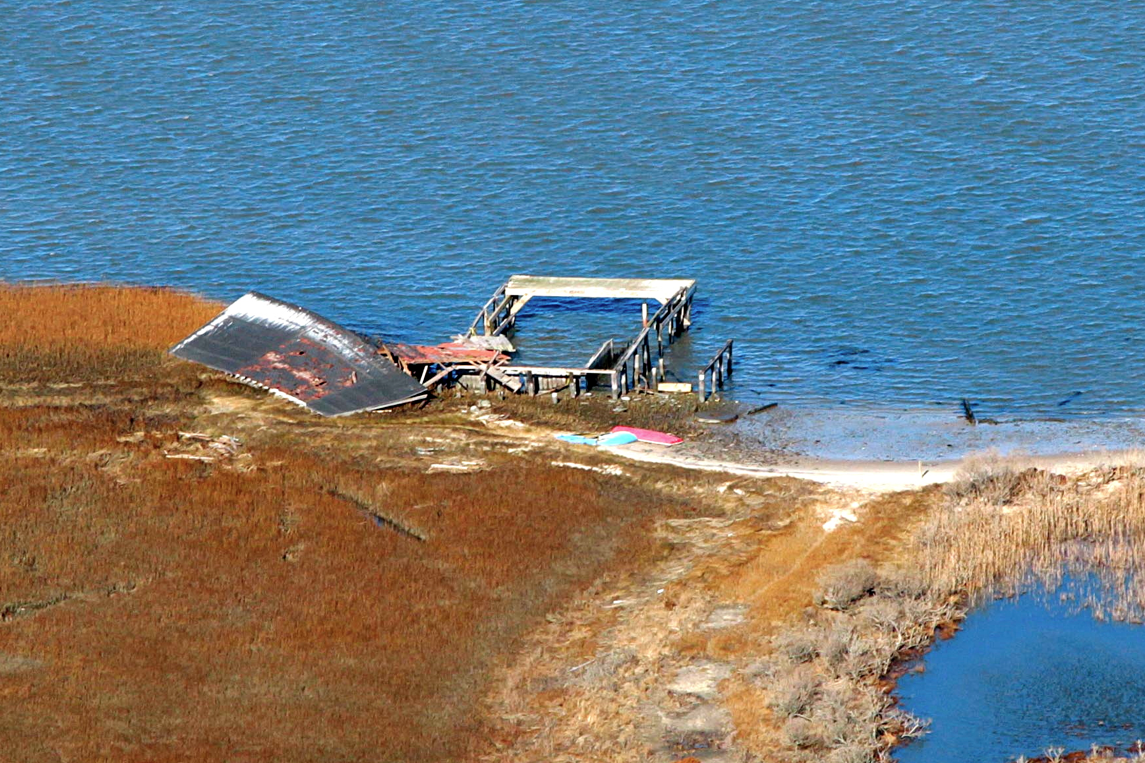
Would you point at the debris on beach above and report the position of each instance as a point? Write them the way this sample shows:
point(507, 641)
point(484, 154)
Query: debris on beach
point(611, 470)
point(198, 446)
point(838, 517)
point(461, 467)
point(301, 356)
point(725, 412)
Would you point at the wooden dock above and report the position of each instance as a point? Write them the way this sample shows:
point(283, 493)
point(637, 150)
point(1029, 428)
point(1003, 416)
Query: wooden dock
point(636, 364)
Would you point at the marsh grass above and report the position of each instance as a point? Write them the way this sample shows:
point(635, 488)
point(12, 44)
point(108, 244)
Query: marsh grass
point(248, 607)
point(69, 334)
point(1002, 528)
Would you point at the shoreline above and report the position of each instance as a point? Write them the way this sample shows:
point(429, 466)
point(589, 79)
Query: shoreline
point(874, 476)
point(661, 577)
point(884, 433)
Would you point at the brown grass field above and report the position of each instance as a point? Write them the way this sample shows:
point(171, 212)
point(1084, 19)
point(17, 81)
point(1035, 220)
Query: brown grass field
point(191, 570)
point(312, 593)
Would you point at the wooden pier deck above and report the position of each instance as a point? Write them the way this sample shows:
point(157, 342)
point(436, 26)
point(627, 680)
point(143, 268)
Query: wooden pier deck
point(638, 363)
point(659, 289)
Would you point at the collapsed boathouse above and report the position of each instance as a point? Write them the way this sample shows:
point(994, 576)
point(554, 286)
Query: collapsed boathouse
point(314, 362)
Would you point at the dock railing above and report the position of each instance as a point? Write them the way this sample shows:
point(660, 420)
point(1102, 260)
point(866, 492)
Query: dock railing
point(718, 368)
point(639, 364)
point(496, 316)
point(636, 368)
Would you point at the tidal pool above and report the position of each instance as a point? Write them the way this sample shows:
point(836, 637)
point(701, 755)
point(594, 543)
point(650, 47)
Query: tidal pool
point(1024, 675)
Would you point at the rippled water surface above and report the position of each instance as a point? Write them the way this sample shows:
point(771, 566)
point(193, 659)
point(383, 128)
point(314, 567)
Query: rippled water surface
point(884, 202)
point(1023, 676)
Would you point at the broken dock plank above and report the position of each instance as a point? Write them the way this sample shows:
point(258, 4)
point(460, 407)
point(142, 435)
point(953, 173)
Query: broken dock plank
point(512, 383)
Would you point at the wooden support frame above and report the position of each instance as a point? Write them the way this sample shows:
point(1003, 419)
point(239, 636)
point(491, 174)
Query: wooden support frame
point(638, 366)
point(718, 368)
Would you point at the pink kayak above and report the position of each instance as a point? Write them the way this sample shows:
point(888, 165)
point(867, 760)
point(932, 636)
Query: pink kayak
point(649, 435)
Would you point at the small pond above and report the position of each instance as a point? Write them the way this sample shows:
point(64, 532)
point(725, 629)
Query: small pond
point(1025, 674)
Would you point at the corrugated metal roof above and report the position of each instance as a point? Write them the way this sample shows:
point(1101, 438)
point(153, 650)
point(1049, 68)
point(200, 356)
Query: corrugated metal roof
point(300, 355)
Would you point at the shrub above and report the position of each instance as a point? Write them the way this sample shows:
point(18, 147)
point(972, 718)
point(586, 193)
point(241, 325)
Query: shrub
point(898, 583)
point(851, 753)
point(798, 646)
point(794, 692)
point(986, 477)
point(844, 584)
point(837, 644)
point(802, 733)
point(870, 655)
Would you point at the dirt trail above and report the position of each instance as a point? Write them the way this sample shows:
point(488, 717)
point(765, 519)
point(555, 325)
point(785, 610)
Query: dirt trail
point(665, 663)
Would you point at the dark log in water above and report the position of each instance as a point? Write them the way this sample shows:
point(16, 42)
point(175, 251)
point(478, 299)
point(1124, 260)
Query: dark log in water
point(968, 413)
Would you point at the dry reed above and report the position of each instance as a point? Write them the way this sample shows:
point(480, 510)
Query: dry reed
point(1004, 528)
point(67, 334)
point(253, 607)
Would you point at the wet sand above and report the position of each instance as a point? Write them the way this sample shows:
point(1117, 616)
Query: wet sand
point(884, 434)
point(882, 450)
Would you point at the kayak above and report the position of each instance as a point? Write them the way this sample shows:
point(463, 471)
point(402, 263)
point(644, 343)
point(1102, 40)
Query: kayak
point(576, 439)
point(650, 435)
point(605, 441)
point(616, 438)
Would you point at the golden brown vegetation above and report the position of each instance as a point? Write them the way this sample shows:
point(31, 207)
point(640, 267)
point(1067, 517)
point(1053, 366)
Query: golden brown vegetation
point(667, 663)
point(599, 412)
point(192, 571)
point(1001, 529)
point(67, 334)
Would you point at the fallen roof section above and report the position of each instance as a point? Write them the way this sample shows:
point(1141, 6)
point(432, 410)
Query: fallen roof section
point(299, 355)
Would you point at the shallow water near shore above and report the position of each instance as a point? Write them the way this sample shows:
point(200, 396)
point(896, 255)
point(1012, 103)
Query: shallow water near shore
point(930, 435)
point(1023, 675)
point(885, 204)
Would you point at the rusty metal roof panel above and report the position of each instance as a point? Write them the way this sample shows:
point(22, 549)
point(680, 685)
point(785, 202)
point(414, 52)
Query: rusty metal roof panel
point(299, 355)
point(444, 354)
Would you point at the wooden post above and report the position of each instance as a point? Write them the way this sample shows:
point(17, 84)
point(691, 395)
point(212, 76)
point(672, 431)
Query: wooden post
point(729, 357)
point(661, 366)
point(700, 387)
point(655, 380)
point(529, 384)
point(644, 315)
point(614, 378)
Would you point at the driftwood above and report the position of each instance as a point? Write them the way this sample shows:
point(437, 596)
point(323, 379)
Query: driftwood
point(968, 413)
point(188, 456)
point(377, 517)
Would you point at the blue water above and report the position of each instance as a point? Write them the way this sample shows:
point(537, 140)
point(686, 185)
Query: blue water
point(893, 203)
point(1023, 676)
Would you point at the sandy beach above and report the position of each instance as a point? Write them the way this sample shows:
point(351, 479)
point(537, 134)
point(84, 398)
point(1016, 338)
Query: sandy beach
point(875, 476)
